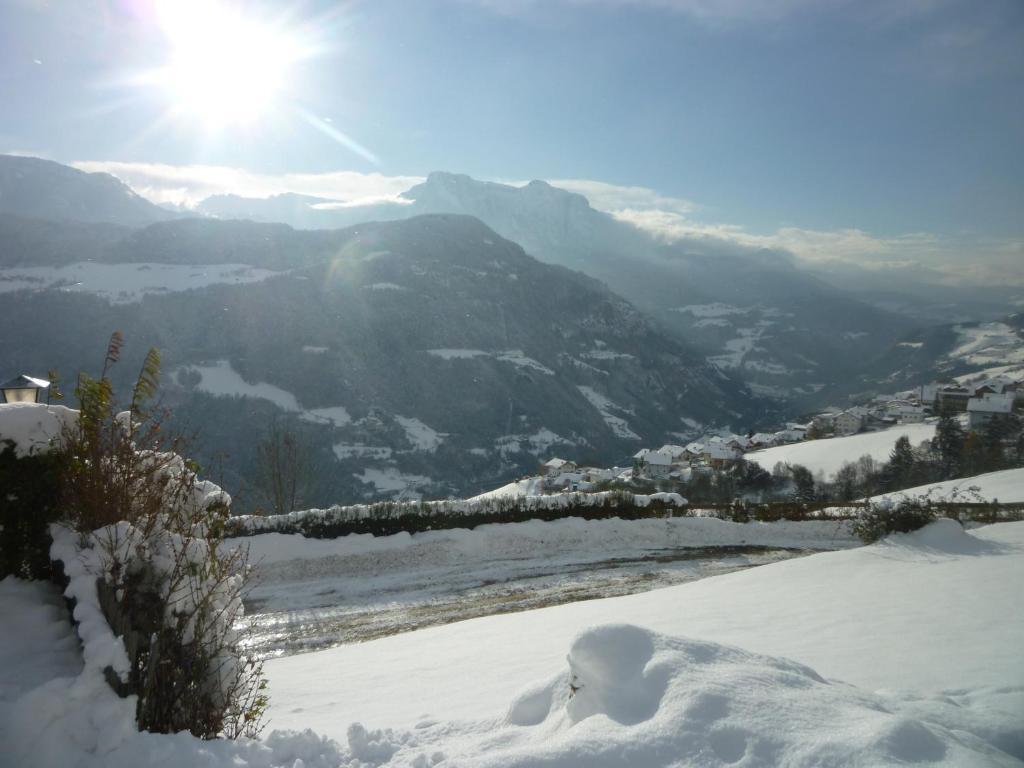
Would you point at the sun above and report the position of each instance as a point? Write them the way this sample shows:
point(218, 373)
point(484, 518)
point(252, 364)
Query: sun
point(224, 68)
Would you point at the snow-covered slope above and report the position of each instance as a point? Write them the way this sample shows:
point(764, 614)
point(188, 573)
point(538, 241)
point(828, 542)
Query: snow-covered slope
point(530, 486)
point(1006, 486)
point(827, 456)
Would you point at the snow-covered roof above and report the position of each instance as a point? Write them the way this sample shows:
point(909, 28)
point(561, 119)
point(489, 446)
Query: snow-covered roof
point(675, 451)
point(857, 411)
point(719, 451)
point(991, 403)
point(557, 463)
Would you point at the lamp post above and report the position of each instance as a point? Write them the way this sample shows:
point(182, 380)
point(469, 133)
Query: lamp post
point(24, 389)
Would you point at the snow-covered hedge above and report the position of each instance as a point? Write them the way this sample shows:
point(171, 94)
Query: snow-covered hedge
point(386, 518)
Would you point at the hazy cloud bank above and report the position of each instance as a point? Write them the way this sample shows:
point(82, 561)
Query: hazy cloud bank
point(968, 259)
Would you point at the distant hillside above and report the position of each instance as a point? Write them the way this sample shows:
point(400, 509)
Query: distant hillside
point(797, 339)
point(41, 189)
point(964, 351)
point(422, 356)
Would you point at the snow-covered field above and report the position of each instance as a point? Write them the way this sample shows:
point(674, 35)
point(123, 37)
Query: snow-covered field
point(914, 645)
point(827, 456)
point(1006, 486)
point(907, 651)
point(127, 283)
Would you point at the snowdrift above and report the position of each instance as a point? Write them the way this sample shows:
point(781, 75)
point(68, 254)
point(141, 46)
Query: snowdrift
point(632, 697)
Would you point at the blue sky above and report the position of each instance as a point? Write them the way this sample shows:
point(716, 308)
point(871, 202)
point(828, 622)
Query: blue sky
point(902, 122)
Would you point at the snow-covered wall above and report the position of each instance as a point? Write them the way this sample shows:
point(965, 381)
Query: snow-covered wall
point(33, 428)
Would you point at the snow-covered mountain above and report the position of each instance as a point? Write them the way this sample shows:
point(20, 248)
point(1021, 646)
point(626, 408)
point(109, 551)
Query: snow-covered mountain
point(428, 355)
point(34, 188)
point(796, 338)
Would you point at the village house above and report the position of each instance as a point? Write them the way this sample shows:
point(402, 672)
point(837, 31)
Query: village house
point(981, 410)
point(824, 422)
point(652, 464)
point(952, 399)
point(765, 440)
point(693, 451)
point(793, 433)
point(851, 421)
point(554, 467)
point(720, 455)
point(677, 453)
point(927, 395)
point(908, 413)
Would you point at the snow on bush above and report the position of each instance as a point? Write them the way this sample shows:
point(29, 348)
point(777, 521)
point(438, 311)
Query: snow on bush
point(179, 597)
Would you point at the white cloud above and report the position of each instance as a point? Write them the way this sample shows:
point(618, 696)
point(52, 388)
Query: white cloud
point(962, 259)
point(188, 184)
point(612, 197)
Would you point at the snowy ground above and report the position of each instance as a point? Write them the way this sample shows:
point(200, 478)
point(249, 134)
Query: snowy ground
point(924, 631)
point(313, 593)
point(828, 455)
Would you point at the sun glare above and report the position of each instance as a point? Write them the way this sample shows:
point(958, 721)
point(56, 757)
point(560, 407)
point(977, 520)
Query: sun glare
point(224, 68)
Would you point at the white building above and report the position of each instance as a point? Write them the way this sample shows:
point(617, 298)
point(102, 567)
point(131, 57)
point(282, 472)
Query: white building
point(981, 410)
point(652, 464)
point(850, 421)
point(554, 467)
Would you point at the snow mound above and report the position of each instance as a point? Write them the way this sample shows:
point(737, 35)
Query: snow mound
point(633, 697)
point(946, 536)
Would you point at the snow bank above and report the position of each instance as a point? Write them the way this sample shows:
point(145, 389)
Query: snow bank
point(33, 427)
point(827, 456)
